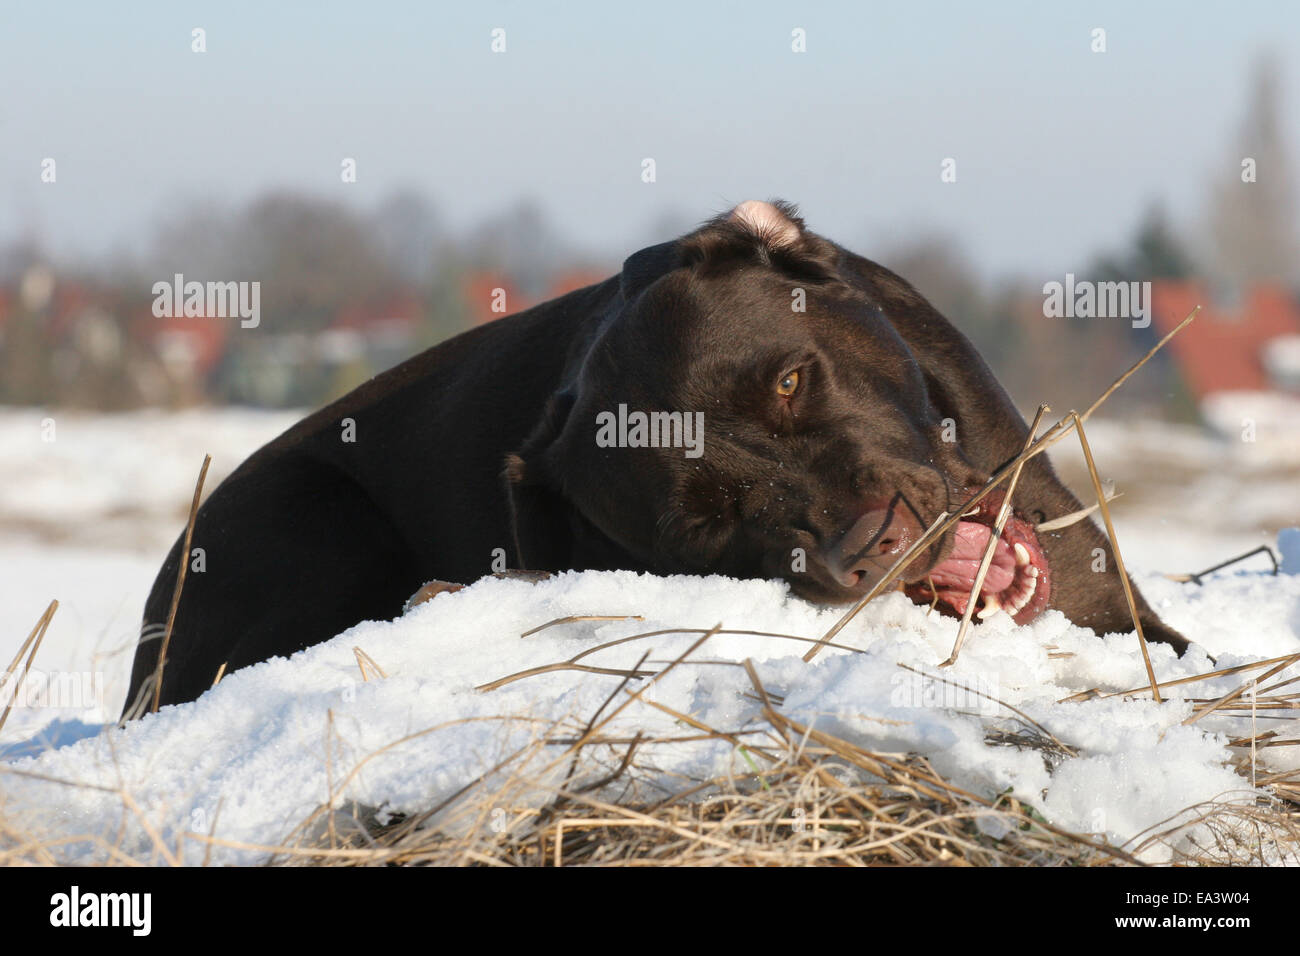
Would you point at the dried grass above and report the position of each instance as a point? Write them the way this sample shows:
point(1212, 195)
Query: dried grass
point(574, 794)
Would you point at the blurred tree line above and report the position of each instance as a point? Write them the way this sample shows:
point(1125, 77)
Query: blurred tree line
point(343, 295)
point(346, 293)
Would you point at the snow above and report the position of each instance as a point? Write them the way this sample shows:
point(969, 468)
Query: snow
point(117, 481)
point(1189, 498)
point(257, 754)
point(1267, 417)
point(101, 595)
point(264, 745)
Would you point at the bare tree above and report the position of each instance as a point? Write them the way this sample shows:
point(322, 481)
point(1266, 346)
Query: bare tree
point(1252, 208)
point(408, 231)
point(312, 256)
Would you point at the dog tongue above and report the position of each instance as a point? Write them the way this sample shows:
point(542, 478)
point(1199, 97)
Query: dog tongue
point(956, 574)
point(1022, 589)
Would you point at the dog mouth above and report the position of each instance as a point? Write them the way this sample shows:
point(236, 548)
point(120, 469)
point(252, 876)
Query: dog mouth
point(1018, 579)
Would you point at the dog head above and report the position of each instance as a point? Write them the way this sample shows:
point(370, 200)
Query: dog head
point(749, 408)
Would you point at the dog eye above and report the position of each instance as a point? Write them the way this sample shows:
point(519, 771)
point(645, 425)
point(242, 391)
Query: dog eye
point(788, 385)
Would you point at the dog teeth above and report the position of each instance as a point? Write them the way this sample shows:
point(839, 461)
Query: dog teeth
point(1015, 601)
point(972, 513)
point(1018, 602)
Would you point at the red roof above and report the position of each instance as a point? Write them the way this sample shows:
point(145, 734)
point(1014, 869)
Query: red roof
point(1222, 350)
point(479, 292)
point(205, 338)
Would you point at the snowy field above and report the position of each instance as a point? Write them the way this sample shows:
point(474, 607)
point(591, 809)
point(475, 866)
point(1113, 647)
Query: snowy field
point(87, 517)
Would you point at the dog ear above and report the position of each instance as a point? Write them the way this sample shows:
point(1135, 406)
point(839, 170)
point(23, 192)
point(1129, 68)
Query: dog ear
point(644, 267)
point(540, 518)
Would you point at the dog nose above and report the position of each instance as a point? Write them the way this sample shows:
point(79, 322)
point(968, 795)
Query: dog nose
point(872, 543)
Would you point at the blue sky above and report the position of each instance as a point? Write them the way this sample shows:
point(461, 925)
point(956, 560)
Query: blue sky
point(1058, 149)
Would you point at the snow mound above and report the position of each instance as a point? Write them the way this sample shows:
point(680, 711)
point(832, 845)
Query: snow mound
point(253, 757)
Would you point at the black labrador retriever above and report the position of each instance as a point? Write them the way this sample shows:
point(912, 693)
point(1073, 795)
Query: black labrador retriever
point(750, 399)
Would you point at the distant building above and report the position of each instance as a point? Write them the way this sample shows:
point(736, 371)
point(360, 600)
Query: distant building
point(67, 340)
point(491, 295)
point(1241, 361)
point(1226, 348)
